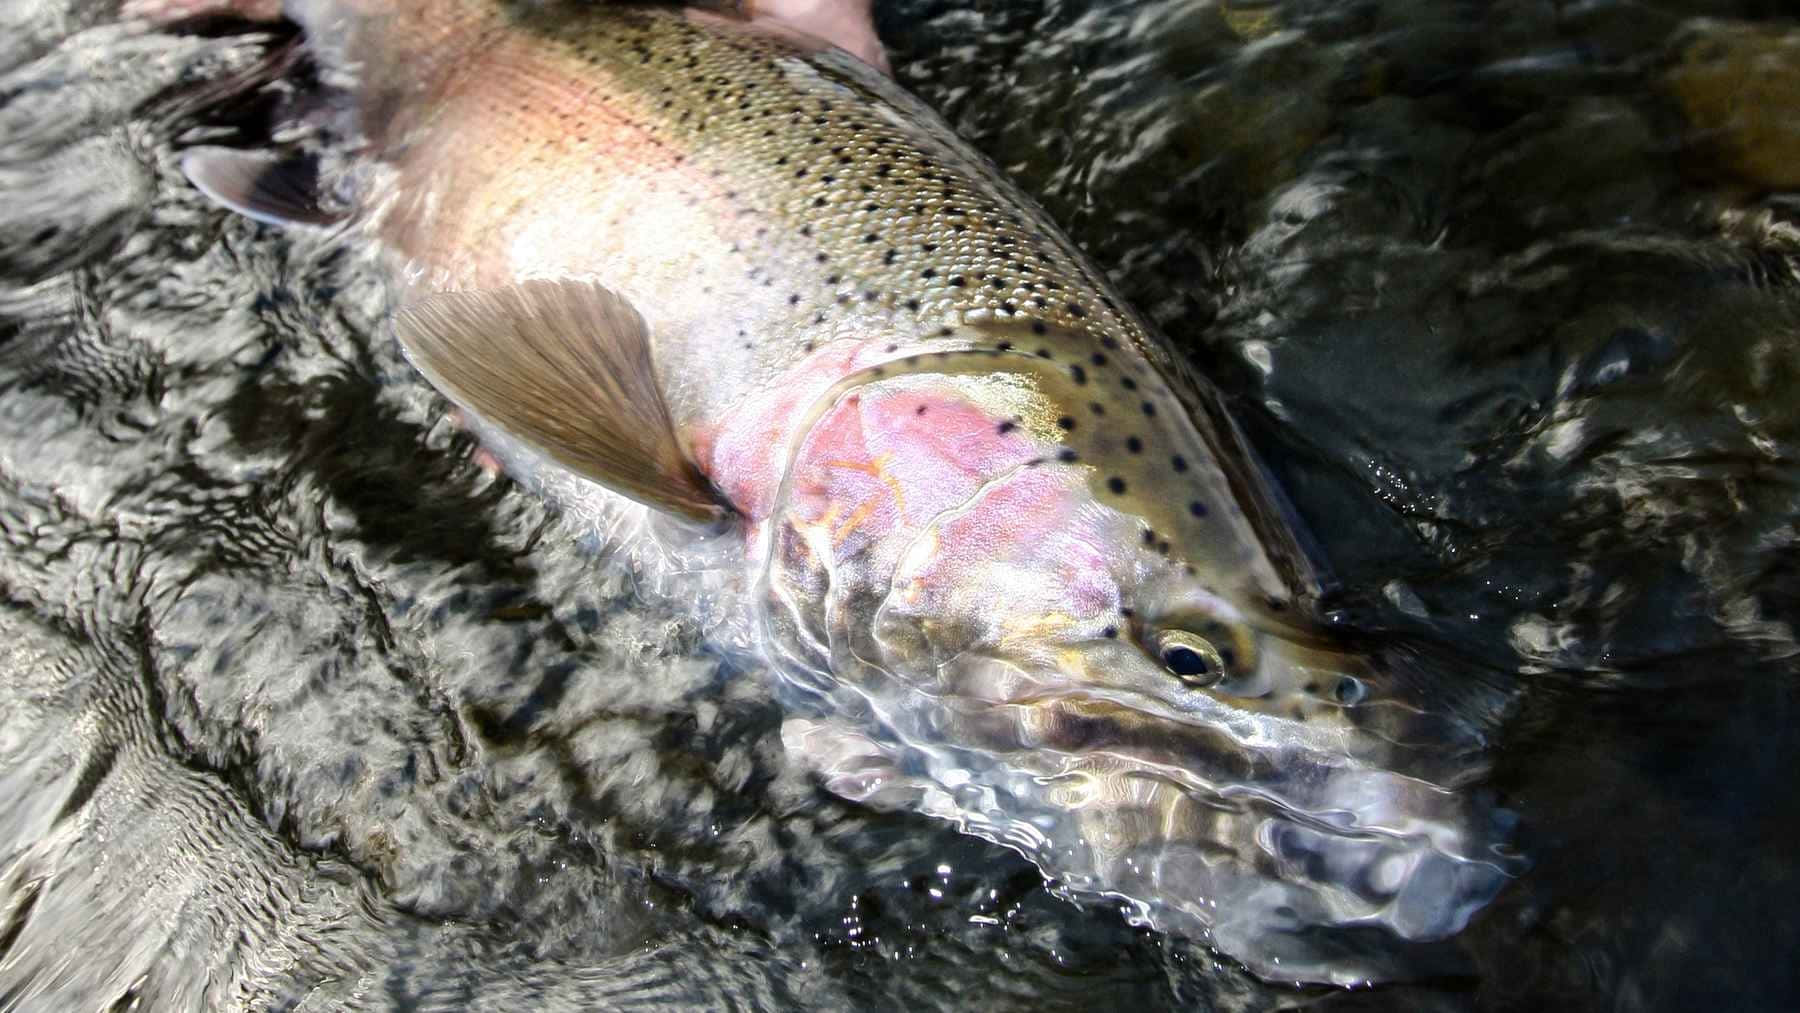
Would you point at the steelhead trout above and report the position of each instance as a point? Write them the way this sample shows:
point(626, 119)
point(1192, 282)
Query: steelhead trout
point(1012, 564)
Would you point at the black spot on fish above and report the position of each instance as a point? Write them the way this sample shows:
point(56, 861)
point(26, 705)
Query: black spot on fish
point(1128, 383)
point(1098, 360)
point(1117, 485)
point(1197, 508)
point(892, 348)
point(1179, 463)
point(1078, 374)
point(1075, 310)
point(834, 279)
point(872, 238)
point(1134, 444)
point(919, 410)
point(1110, 633)
point(912, 304)
point(821, 258)
point(1149, 533)
point(888, 257)
point(793, 299)
point(1096, 407)
point(957, 281)
point(1006, 427)
point(1005, 346)
point(1039, 327)
point(930, 272)
point(1149, 409)
point(1067, 456)
point(1065, 423)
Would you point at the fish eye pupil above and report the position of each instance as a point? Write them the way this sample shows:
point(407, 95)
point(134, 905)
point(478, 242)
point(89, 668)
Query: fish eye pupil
point(1185, 661)
point(1189, 657)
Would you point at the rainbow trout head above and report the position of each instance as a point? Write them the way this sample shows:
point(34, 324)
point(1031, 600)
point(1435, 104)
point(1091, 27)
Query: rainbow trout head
point(1029, 606)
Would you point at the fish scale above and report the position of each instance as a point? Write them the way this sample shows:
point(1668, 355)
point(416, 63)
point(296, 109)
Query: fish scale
point(814, 211)
point(1013, 565)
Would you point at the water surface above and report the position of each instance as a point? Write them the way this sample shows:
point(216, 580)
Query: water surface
point(302, 709)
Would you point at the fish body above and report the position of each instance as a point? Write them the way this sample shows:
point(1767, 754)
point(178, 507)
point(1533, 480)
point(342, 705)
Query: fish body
point(1014, 569)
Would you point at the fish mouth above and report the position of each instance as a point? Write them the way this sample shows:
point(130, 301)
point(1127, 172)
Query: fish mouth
point(1294, 847)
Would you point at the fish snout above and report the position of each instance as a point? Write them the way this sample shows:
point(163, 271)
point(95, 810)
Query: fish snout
point(1298, 679)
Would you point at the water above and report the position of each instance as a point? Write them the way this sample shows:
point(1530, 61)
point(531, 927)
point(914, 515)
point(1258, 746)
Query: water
point(303, 709)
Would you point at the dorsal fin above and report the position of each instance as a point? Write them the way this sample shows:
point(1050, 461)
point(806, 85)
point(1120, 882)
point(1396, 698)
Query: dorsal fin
point(564, 367)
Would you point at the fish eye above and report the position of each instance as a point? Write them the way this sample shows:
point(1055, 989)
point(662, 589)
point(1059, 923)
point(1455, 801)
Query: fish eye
point(1189, 657)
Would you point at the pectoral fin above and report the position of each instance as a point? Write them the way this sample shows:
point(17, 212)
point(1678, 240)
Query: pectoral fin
point(269, 189)
point(565, 368)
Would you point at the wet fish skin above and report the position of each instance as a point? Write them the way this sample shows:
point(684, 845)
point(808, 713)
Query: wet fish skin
point(976, 504)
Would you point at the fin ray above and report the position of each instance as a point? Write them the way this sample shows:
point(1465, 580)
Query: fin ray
point(564, 367)
point(268, 189)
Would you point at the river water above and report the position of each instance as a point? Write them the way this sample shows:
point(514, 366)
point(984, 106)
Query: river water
point(301, 708)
